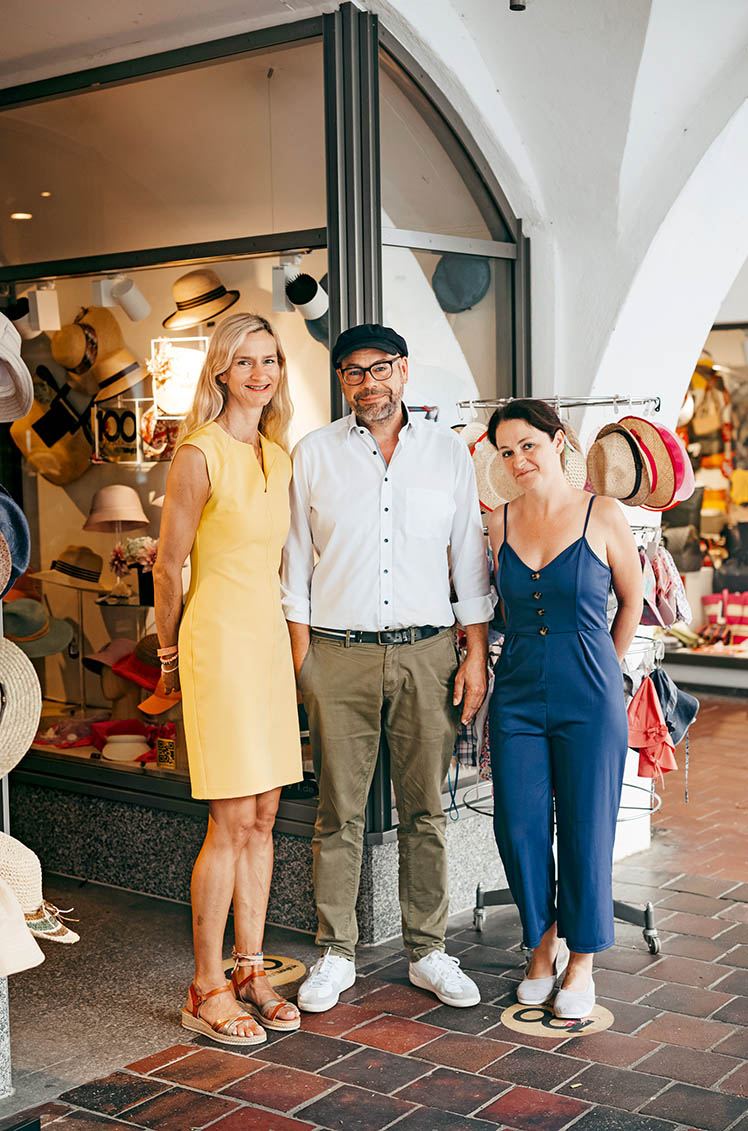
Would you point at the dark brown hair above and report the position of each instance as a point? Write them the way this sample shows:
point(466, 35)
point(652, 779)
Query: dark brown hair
point(536, 413)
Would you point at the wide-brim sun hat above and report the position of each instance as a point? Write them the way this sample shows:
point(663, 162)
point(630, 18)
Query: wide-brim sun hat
point(472, 432)
point(16, 384)
point(28, 624)
point(20, 950)
point(6, 563)
point(20, 705)
point(115, 506)
point(95, 334)
point(617, 466)
point(15, 530)
point(108, 656)
point(198, 296)
point(667, 460)
point(77, 567)
point(496, 486)
point(117, 373)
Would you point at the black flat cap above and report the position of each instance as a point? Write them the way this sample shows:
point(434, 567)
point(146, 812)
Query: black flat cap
point(368, 336)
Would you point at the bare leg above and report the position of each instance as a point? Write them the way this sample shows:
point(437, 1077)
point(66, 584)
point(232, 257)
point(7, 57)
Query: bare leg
point(578, 972)
point(544, 954)
point(253, 874)
point(230, 825)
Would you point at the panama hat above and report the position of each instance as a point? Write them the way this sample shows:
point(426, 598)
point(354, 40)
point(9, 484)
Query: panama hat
point(95, 334)
point(28, 624)
point(115, 507)
point(15, 531)
point(160, 701)
point(20, 704)
point(198, 296)
point(16, 384)
point(667, 460)
point(107, 657)
point(472, 432)
point(20, 950)
point(117, 373)
point(495, 484)
point(617, 466)
point(77, 567)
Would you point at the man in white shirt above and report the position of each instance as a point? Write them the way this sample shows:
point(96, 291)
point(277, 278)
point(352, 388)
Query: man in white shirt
point(379, 499)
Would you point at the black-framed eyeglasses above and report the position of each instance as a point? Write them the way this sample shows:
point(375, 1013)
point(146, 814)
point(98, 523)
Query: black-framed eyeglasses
point(380, 371)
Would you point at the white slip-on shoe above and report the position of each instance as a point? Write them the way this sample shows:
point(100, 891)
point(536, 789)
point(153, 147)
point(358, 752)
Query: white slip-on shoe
point(325, 982)
point(440, 973)
point(570, 1005)
point(536, 991)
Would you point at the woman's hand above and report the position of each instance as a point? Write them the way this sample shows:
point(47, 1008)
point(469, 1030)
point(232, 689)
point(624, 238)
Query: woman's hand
point(171, 680)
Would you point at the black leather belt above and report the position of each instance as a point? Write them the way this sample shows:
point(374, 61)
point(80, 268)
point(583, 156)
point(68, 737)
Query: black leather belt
point(387, 636)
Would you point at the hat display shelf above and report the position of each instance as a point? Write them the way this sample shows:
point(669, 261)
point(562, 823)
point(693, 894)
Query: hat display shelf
point(480, 800)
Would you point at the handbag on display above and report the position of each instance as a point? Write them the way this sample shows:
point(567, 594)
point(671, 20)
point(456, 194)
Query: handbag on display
point(686, 548)
point(707, 417)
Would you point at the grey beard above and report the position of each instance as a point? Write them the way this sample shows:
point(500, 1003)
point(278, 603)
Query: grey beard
point(375, 414)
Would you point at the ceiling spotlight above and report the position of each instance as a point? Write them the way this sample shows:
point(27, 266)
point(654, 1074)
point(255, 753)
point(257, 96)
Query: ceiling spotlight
point(517, 5)
point(45, 194)
point(21, 216)
point(119, 290)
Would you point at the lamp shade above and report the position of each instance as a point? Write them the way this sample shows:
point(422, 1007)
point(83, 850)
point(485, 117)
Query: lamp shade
point(115, 508)
point(175, 368)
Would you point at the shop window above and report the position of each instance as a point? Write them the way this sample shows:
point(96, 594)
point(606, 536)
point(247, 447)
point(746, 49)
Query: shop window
point(210, 153)
point(456, 313)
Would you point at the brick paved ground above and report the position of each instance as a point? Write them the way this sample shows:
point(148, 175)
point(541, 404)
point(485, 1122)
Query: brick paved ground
point(388, 1055)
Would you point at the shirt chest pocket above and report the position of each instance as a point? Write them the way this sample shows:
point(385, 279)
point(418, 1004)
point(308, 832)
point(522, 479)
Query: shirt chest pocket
point(429, 513)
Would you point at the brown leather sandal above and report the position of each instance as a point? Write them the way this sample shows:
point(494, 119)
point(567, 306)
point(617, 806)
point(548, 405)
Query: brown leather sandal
point(267, 1013)
point(224, 1031)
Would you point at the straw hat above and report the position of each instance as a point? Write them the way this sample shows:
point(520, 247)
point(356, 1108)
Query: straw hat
point(199, 296)
point(77, 567)
point(20, 951)
point(6, 563)
point(667, 460)
point(94, 334)
point(21, 870)
point(114, 508)
point(28, 624)
point(107, 657)
point(472, 432)
point(20, 716)
point(617, 466)
point(16, 385)
point(117, 373)
point(160, 701)
point(495, 484)
point(15, 531)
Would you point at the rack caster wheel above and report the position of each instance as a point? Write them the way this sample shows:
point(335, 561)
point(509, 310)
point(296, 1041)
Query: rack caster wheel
point(653, 942)
point(479, 917)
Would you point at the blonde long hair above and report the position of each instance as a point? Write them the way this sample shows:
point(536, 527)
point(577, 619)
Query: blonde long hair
point(211, 394)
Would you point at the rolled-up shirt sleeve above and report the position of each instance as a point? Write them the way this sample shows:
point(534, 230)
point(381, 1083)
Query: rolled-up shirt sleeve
point(297, 564)
point(470, 578)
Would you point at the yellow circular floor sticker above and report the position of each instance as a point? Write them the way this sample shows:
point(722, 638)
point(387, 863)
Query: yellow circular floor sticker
point(538, 1021)
point(278, 969)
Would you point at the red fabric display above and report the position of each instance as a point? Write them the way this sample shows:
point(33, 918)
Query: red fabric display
point(648, 733)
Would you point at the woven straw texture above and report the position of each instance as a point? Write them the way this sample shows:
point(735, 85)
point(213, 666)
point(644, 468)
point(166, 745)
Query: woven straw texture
point(22, 709)
point(22, 871)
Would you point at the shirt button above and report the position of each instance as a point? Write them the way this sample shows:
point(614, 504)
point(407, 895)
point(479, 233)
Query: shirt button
point(373, 451)
point(534, 577)
point(386, 539)
point(543, 630)
point(386, 508)
point(361, 431)
point(386, 571)
point(536, 596)
point(386, 602)
point(541, 612)
point(386, 479)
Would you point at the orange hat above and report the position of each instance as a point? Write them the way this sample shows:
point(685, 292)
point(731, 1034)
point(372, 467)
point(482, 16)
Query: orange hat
point(160, 701)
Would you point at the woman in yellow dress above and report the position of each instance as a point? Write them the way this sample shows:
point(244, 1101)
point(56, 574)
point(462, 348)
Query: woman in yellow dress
point(227, 507)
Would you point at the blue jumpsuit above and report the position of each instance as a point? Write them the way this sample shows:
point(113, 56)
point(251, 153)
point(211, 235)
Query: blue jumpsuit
point(558, 727)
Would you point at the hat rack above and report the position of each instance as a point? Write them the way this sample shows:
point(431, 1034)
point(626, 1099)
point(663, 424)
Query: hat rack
point(615, 402)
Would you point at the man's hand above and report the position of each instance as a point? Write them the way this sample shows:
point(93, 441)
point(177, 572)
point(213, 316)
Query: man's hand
point(301, 638)
point(470, 685)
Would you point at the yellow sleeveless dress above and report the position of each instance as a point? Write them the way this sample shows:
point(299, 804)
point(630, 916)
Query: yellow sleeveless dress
point(238, 687)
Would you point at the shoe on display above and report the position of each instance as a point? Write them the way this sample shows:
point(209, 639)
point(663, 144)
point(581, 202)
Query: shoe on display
point(325, 982)
point(441, 974)
point(536, 991)
point(570, 1005)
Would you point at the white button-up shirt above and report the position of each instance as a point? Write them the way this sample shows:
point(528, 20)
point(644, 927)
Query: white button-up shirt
point(380, 533)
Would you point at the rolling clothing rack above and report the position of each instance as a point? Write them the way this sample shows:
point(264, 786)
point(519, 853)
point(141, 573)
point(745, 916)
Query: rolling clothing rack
point(643, 917)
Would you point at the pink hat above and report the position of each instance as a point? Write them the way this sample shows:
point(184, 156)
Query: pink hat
point(109, 655)
point(114, 508)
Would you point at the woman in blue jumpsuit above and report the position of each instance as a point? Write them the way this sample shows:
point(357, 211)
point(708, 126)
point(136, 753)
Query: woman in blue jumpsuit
point(558, 725)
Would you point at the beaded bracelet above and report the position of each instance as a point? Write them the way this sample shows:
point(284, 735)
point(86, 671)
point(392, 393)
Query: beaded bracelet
point(172, 650)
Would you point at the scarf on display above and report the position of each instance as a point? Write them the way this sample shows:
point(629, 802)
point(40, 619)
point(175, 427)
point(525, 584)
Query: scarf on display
point(649, 734)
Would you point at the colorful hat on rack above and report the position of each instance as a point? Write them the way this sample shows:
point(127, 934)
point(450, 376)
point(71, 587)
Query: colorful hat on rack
point(22, 704)
point(617, 466)
point(28, 624)
point(142, 666)
point(199, 296)
point(16, 385)
point(78, 567)
point(15, 531)
point(115, 508)
point(667, 459)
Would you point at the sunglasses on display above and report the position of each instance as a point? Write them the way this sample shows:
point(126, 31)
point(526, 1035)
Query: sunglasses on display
point(380, 371)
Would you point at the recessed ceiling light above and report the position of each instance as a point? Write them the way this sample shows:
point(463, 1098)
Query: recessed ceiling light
point(46, 194)
point(21, 216)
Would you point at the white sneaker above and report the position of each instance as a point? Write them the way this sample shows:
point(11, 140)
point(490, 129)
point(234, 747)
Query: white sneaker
point(330, 975)
point(440, 973)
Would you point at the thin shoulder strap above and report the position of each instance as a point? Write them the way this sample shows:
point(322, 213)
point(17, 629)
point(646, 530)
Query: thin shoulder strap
point(506, 509)
point(587, 519)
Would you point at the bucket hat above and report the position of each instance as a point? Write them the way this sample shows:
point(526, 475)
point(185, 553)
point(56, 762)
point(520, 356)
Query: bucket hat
point(160, 701)
point(95, 334)
point(28, 624)
point(117, 373)
point(114, 508)
point(16, 384)
point(107, 657)
point(198, 296)
point(142, 666)
point(617, 466)
point(20, 705)
point(460, 281)
point(77, 567)
point(15, 531)
point(20, 950)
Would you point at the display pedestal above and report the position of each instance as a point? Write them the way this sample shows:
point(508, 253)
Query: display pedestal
point(5, 1082)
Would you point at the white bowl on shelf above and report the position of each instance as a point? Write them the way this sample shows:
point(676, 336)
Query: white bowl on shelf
point(125, 748)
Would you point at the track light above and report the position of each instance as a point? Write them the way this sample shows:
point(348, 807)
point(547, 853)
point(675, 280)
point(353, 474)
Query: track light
point(517, 5)
point(44, 309)
point(120, 290)
point(311, 301)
